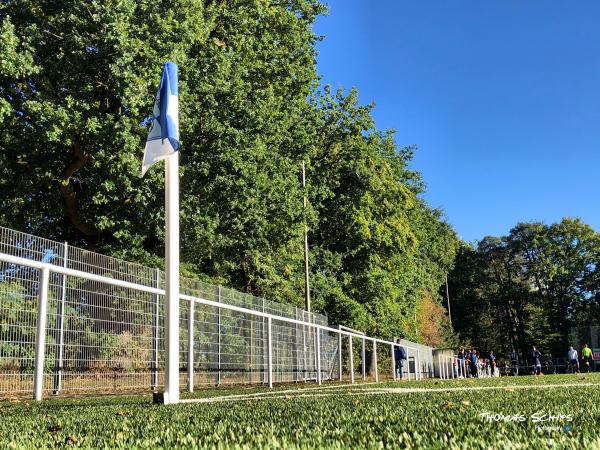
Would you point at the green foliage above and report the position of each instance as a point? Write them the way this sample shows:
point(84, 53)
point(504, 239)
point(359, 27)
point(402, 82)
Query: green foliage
point(377, 246)
point(436, 420)
point(528, 288)
point(17, 327)
point(18, 318)
point(77, 83)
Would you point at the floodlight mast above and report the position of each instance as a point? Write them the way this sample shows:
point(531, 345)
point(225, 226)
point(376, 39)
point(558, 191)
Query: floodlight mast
point(448, 300)
point(306, 275)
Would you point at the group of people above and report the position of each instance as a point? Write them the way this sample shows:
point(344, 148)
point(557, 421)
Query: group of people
point(535, 357)
point(469, 364)
point(472, 365)
point(587, 357)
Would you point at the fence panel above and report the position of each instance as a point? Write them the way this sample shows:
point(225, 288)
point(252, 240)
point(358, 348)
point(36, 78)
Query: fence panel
point(19, 288)
point(103, 338)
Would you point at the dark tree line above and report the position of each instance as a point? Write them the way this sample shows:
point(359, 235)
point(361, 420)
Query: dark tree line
point(528, 288)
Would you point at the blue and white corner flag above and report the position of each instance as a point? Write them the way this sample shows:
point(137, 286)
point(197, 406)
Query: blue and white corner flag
point(163, 143)
point(163, 138)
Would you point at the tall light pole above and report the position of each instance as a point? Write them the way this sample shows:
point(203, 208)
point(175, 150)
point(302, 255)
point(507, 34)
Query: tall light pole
point(306, 276)
point(448, 300)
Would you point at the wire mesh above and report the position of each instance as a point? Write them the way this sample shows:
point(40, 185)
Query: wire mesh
point(104, 339)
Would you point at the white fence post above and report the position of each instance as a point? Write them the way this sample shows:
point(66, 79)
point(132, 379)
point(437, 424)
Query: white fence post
point(40, 337)
point(251, 360)
point(296, 354)
point(318, 354)
point(351, 359)
point(270, 350)
point(316, 361)
point(304, 349)
point(375, 361)
point(341, 375)
point(364, 362)
point(155, 312)
point(219, 337)
point(393, 359)
point(60, 317)
point(418, 373)
point(264, 347)
point(190, 362)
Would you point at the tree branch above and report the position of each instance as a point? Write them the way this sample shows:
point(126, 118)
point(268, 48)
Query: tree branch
point(65, 186)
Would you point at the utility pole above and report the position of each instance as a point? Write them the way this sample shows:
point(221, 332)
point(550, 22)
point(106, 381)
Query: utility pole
point(448, 300)
point(306, 277)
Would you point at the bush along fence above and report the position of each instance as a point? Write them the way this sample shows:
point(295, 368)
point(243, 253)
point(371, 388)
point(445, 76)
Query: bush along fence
point(77, 321)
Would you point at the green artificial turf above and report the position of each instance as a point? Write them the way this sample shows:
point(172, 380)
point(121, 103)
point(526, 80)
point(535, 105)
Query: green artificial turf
point(425, 383)
point(348, 419)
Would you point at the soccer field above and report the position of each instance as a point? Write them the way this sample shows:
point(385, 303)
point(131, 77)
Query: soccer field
point(554, 411)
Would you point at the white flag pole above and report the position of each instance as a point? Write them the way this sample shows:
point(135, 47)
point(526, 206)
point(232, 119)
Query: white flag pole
point(171, 392)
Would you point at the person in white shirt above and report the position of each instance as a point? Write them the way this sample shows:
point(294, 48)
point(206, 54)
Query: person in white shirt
point(573, 359)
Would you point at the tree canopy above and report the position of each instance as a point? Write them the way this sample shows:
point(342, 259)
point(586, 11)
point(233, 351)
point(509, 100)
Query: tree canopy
point(77, 84)
point(528, 288)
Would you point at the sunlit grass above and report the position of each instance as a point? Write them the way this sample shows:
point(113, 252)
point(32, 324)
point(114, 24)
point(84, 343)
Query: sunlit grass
point(344, 418)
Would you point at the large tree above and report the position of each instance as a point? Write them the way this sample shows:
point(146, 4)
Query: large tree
point(379, 247)
point(77, 91)
point(77, 83)
point(528, 288)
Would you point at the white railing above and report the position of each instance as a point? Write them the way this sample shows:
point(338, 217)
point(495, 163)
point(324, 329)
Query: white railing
point(447, 366)
point(109, 338)
point(46, 269)
point(454, 367)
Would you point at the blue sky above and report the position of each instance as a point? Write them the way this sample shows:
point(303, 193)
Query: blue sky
point(501, 97)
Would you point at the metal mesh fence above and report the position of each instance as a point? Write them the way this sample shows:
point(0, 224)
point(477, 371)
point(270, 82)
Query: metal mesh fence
point(104, 338)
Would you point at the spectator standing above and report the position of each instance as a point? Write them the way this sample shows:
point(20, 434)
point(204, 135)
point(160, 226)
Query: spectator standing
point(473, 363)
point(492, 363)
point(399, 356)
point(573, 359)
point(514, 362)
point(461, 363)
point(468, 364)
point(536, 359)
